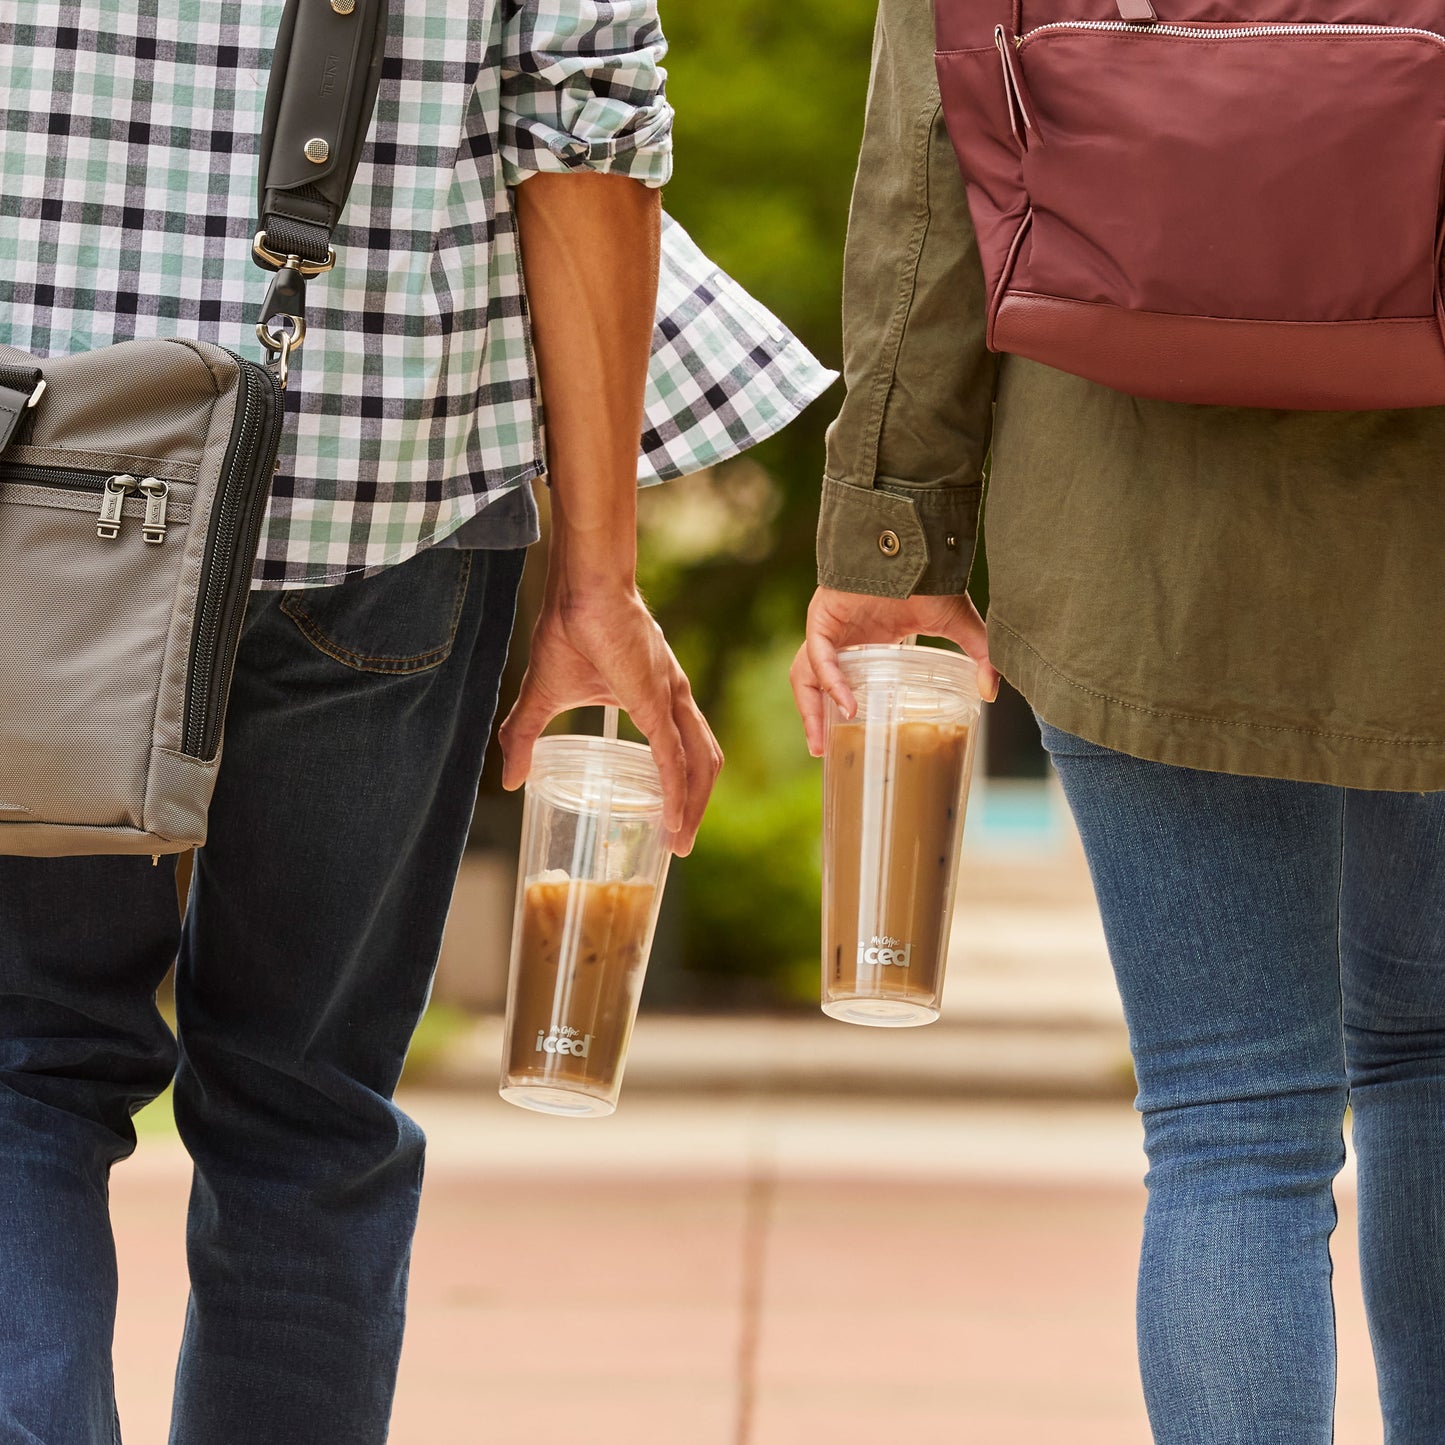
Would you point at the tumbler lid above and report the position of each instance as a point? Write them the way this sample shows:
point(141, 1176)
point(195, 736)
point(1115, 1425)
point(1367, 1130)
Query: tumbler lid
point(934, 679)
point(589, 774)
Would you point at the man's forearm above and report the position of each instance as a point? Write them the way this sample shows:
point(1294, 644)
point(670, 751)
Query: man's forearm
point(590, 248)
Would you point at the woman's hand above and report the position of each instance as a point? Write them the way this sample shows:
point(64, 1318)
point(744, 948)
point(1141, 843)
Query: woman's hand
point(606, 648)
point(848, 619)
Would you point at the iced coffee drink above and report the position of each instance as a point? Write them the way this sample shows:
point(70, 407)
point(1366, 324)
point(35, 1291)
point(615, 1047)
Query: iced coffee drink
point(582, 956)
point(594, 860)
point(895, 788)
point(892, 931)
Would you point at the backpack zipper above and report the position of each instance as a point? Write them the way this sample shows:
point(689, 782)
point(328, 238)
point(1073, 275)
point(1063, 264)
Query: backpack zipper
point(1225, 32)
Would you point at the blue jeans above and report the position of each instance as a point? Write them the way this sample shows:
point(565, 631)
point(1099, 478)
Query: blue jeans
point(358, 722)
point(1280, 950)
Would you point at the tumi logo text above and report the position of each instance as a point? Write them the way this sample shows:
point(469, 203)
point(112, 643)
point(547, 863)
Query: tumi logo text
point(884, 952)
point(564, 1041)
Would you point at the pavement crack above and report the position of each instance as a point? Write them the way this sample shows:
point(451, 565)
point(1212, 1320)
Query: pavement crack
point(757, 1221)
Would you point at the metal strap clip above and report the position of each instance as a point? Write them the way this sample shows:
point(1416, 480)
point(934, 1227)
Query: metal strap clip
point(281, 335)
point(275, 261)
point(282, 327)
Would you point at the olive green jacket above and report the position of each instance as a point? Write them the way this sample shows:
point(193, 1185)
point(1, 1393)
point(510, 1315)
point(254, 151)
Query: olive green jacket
point(1239, 590)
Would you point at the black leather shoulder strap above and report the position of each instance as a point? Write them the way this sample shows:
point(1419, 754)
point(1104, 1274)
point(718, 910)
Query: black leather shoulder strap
point(325, 72)
point(319, 104)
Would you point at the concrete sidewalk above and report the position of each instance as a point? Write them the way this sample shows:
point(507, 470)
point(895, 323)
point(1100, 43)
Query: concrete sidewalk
point(748, 1271)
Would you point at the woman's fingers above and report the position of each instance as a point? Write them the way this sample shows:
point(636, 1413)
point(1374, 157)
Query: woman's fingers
point(809, 700)
point(970, 632)
point(827, 675)
point(838, 617)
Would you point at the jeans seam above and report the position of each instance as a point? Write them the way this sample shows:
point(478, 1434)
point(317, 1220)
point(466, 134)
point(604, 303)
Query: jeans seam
point(1334, 1204)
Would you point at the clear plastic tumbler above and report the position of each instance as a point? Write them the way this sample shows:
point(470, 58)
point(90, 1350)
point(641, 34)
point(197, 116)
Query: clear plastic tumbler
point(895, 785)
point(594, 860)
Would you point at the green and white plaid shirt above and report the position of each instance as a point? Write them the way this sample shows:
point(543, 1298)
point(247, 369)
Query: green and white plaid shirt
point(127, 185)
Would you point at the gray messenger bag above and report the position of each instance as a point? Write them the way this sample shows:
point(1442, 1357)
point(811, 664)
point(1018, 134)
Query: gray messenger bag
point(133, 483)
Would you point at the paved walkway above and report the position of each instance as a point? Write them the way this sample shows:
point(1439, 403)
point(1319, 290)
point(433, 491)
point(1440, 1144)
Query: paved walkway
point(748, 1272)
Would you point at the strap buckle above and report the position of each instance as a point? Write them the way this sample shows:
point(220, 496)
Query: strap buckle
point(280, 340)
point(275, 261)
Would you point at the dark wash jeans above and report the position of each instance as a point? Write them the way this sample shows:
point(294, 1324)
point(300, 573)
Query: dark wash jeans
point(358, 721)
point(1280, 949)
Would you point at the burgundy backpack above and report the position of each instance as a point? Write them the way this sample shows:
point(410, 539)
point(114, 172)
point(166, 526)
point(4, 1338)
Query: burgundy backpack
point(1205, 205)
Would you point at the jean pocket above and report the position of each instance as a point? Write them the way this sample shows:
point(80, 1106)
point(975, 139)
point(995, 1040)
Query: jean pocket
point(399, 620)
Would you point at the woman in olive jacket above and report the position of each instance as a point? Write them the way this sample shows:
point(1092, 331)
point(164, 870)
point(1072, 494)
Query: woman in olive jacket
point(1228, 622)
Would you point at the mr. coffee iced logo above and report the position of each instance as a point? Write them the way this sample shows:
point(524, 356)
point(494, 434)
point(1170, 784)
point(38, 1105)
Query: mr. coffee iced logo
point(565, 1040)
point(884, 952)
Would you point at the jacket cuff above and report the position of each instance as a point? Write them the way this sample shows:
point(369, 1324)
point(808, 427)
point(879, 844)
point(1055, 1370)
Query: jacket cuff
point(895, 539)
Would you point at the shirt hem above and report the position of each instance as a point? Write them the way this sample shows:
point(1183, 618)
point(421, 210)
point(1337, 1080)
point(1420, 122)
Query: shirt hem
point(1216, 745)
point(405, 551)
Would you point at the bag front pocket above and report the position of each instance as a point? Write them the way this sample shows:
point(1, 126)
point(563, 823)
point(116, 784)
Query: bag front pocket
point(93, 563)
point(1277, 172)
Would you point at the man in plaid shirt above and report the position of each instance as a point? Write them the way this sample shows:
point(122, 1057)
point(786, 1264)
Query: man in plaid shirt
point(515, 140)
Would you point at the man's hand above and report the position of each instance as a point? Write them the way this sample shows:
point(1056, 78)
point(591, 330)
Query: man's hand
point(608, 650)
point(848, 619)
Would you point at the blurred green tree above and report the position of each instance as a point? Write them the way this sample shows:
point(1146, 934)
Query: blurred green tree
point(769, 102)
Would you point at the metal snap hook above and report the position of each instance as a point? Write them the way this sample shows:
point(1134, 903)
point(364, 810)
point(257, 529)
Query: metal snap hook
point(281, 335)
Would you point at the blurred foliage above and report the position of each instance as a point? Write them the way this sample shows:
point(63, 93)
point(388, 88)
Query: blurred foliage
point(752, 891)
point(769, 101)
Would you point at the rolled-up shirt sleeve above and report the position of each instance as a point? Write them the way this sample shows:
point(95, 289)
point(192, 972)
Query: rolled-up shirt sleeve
point(583, 89)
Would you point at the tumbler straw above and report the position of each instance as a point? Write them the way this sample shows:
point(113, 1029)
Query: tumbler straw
point(604, 814)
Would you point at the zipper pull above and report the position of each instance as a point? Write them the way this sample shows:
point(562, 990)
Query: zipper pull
point(1020, 110)
point(156, 492)
point(112, 500)
point(1137, 12)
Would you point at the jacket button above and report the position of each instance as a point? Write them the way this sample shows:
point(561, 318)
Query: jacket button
point(889, 544)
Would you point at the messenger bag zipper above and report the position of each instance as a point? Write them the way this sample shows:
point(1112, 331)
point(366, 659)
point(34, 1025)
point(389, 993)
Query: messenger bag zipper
point(114, 489)
point(229, 558)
